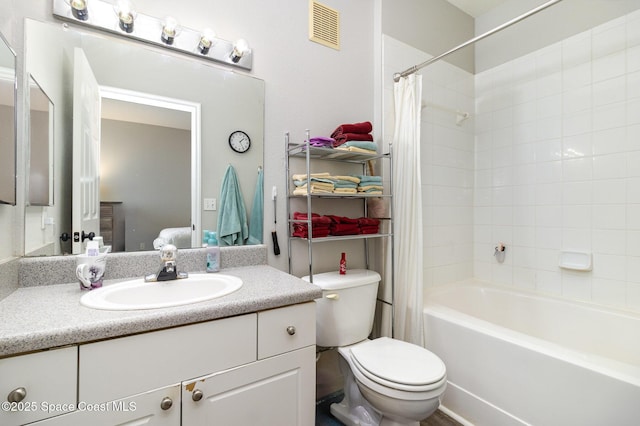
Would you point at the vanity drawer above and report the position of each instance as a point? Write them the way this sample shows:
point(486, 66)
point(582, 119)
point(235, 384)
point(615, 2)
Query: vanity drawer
point(49, 379)
point(126, 366)
point(286, 329)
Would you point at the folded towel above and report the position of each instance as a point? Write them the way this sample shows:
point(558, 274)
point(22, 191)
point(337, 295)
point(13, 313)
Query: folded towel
point(313, 180)
point(313, 175)
point(321, 141)
point(368, 179)
point(314, 190)
point(372, 146)
point(345, 191)
point(366, 188)
point(344, 184)
point(364, 127)
point(355, 149)
point(344, 137)
point(349, 178)
point(232, 214)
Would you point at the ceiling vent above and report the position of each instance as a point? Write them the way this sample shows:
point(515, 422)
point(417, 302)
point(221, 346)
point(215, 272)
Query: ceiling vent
point(324, 25)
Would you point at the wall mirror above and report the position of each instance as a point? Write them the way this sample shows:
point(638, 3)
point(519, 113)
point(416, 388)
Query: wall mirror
point(40, 146)
point(7, 123)
point(138, 147)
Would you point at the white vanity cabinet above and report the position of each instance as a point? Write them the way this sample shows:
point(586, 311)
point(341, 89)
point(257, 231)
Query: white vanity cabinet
point(278, 389)
point(38, 385)
point(256, 368)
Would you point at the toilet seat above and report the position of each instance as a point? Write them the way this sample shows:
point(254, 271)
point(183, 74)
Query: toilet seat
point(397, 369)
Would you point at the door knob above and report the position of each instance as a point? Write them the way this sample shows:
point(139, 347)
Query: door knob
point(197, 395)
point(90, 236)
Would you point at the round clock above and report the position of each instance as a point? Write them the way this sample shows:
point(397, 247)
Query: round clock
point(239, 141)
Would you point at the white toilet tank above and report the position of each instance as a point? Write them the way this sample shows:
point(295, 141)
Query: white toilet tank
point(344, 314)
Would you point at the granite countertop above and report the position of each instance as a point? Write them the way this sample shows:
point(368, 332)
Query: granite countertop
point(41, 317)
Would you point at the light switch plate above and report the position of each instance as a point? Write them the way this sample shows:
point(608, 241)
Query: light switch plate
point(210, 204)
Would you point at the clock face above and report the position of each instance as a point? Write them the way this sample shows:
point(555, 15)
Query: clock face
point(239, 141)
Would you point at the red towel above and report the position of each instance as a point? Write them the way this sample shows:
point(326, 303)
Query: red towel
point(346, 137)
point(363, 221)
point(364, 127)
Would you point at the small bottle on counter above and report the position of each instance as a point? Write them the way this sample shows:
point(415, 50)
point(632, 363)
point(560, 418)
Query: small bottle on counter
point(343, 264)
point(213, 253)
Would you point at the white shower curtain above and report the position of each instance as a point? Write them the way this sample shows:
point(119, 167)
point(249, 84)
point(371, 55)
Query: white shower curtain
point(407, 208)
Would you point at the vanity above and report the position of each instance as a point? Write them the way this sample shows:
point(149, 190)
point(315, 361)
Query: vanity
point(233, 360)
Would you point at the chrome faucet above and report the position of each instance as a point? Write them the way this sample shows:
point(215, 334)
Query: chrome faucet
point(168, 269)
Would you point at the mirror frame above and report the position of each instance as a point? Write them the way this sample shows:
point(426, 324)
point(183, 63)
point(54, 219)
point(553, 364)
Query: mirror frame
point(11, 195)
point(33, 83)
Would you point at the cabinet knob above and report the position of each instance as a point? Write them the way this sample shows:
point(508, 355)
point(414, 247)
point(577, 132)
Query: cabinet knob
point(166, 403)
point(197, 395)
point(291, 330)
point(17, 395)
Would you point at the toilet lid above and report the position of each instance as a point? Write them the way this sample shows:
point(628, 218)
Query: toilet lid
point(399, 362)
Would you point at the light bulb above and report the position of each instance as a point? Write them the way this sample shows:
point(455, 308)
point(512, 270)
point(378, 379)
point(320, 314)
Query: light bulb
point(239, 49)
point(169, 30)
point(79, 9)
point(207, 39)
point(126, 15)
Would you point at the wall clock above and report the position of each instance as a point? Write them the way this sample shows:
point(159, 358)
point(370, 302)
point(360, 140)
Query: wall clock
point(239, 141)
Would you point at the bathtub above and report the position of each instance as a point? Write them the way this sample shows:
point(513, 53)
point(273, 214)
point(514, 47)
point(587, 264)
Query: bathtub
point(518, 358)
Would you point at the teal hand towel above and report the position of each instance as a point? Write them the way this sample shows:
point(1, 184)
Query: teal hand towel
point(232, 216)
point(256, 220)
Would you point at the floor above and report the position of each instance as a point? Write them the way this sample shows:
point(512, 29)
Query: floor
point(324, 417)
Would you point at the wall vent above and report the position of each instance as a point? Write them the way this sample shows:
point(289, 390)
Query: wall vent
point(324, 25)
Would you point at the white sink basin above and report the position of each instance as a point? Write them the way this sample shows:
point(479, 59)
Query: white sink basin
point(138, 294)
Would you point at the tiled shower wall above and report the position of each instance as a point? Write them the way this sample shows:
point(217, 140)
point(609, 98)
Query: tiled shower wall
point(557, 166)
point(447, 161)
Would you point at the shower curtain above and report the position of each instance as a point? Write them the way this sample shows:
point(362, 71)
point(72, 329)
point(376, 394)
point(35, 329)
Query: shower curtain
point(407, 208)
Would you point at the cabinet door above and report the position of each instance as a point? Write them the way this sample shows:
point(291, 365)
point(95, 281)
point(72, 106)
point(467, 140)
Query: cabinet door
point(276, 391)
point(47, 377)
point(160, 407)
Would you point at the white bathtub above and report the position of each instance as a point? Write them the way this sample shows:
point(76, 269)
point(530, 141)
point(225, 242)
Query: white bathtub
point(516, 358)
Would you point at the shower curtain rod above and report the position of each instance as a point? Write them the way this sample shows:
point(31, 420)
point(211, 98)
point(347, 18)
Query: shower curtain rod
point(415, 68)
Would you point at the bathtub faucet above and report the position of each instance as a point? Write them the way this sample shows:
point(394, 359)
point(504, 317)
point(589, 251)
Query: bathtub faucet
point(168, 269)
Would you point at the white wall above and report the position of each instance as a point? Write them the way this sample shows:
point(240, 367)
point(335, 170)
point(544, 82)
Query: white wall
point(557, 165)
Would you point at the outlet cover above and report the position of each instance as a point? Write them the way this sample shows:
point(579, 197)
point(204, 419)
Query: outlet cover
point(210, 204)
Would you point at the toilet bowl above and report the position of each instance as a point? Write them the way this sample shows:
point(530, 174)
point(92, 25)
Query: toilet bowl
point(387, 382)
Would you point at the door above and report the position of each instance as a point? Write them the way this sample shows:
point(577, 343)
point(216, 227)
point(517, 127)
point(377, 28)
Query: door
point(86, 152)
point(275, 391)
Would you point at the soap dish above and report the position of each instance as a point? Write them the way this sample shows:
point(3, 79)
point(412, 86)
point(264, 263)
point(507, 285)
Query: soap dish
point(577, 261)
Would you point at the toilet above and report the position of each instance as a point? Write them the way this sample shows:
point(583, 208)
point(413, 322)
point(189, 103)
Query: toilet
point(386, 381)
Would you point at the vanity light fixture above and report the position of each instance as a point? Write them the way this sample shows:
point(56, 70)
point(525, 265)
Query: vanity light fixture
point(79, 9)
point(169, 30)
point(207, 39)
point(240, 48)
point(159, 32)
point(126, 15)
